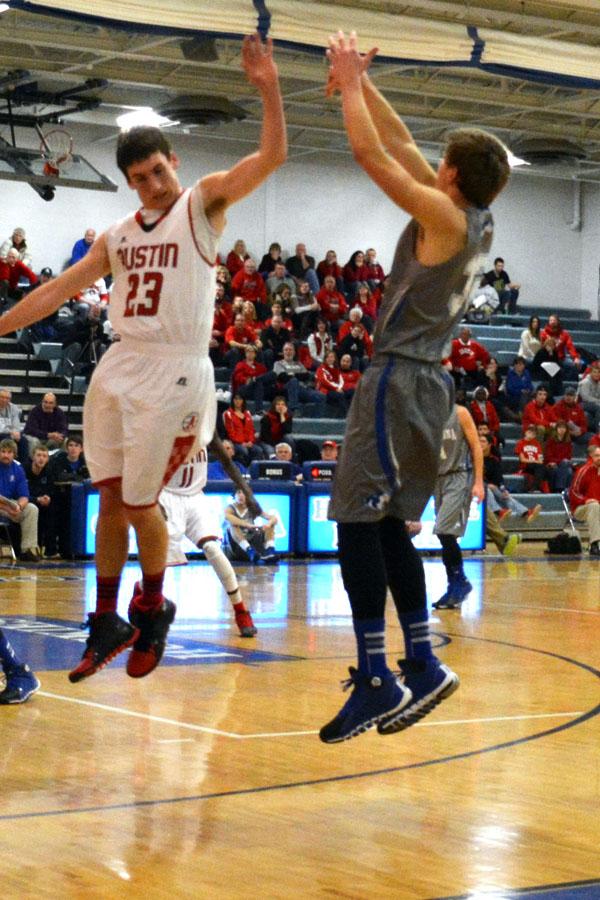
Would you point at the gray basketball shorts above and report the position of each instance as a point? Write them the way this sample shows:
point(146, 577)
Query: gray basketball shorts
point(390, 455)
point(452, 499)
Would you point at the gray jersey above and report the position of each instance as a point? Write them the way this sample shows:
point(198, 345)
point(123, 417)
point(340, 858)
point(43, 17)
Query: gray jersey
point(423, 303)
point(455, 455)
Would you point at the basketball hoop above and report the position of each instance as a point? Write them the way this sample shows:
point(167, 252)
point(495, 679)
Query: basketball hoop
point(56, 147)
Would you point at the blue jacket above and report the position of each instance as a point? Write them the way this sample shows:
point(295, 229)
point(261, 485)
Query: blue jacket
point(80, 248)
point(13, 483)
point(516, 383)
point(216, 472)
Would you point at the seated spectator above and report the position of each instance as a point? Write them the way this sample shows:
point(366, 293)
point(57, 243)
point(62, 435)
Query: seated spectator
point(223, 277)
point(493, 383)
point(11, 426)
point(496, 440)
point(305, 310)
point(564, 346)
point(571, 411)
point(41, 492)
point(294, 378)
point(236, 258)
point(67, 467)
point(47, 423)
point(468, 359)
point(287, 301)
point(248, 285)
point(302, 268)
point(237, 338)
point(17, 242)
point(250, 316)
point(81, 247)
point(270, 259)
point(222, 319)
point(502, 503)
point(329, 451)
point(548, 368)
point(584, 496)
point(355, 317)
point(246, 541)
point(278, 310)
point(375, 273)
point(94, 294)
point(284, 453)
point(16, 511)
point(12, 271)
point(215, 470)
point(350, 376)
point(518, 387)
point(508, 291)
point(274, 339)
point(531, 456)
point(530, 339)
point(330, 266)
point(276, 425)
point(589, 395)
point(355, 273)
point(558, 453)
point(539, 414)
point(483, 410)
point(354, 344)
point(279, 276)
point(240, 431)
point(330, 383)
point(319, 342)
point(250, 378)
point(84, 340)
point(365, 301)
point(333, 304)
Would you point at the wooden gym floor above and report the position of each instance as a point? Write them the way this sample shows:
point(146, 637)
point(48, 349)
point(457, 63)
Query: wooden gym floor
point(207, 779)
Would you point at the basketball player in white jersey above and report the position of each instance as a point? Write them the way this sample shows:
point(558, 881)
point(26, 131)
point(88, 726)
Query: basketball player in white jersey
point(162, 262)
point(185, 507)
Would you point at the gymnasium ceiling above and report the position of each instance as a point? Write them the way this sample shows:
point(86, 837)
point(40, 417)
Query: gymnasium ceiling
point(148, 67)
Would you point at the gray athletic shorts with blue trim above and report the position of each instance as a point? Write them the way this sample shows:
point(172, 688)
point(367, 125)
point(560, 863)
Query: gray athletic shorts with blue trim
point(390, 455)
point(452, 503)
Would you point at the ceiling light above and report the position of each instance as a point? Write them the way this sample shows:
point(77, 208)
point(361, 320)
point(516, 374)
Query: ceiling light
point(142, 115)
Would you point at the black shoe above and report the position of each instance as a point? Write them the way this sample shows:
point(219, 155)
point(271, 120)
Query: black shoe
point(30, 555)
point(109, 635)
point(269, 557)
point(150, 645)
point(595, 548)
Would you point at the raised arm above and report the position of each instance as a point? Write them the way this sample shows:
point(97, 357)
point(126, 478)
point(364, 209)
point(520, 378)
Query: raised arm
point(430, 206)
point(48, 297)
point(221, 189)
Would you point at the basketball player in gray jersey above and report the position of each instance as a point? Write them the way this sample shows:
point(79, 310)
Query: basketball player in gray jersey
point(460, 477)
point(389, 462)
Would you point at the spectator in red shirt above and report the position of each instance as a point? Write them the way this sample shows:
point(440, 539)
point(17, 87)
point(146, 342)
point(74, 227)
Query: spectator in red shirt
point(468, 359)
point(585, 498)
point(246, 374)
point(375, 271)
point(350, 376)
point(240, 431)
point(236, 258)
point(330, 266)
point(354, 272)
point(237, 337)
point(12, 270)
point(558, 454)
point(483, 410)
point(276, 426)
point(564, 344)
point(539, 414)
point(365, 301)
point(531, 456)
point(329, 381)
point(572, 412)
point(332, 302)
point(222, 319)
point(248, 284)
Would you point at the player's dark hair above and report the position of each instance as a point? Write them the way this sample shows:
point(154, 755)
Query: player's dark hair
point(482, 164)
point(138, 144)
point(498, 259)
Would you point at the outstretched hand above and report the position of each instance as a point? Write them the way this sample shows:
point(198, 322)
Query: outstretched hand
point(258, 62)
point(345, 62)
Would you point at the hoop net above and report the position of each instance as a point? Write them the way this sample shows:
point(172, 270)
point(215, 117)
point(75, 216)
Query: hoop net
point(56, 148)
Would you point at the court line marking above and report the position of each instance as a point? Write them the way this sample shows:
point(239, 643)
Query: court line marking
point(561, 609)
point(274, 734)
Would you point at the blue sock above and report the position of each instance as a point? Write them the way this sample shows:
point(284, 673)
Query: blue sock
point(7, 655)
point(417, 639)
point(370, 642)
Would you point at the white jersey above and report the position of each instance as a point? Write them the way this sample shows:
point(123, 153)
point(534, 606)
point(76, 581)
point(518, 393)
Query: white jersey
point(164, 275)
point(190, 478)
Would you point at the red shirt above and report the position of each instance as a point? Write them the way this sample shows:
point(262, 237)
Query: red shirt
point(328, 379)
point(557, 451)
point(488, 414)
point(324, 269)
point(351, 274)
point(573, 414)
point(585, 485)
point(221, 319)
point(13, 274)
point(350, 377)
point(249, 287)
point(243, 372)
point(531, 450)
point(327, 300)
point(245, 336)
point(466, 356)
point(235, 262)
point(538, 415)
point(564, 343)
point(240, 431)
point(375, 271)
point(595, 441)
point(368, 309)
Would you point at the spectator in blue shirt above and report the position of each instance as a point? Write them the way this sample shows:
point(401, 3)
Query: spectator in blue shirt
point(81, 247)
point(519, 387)
point(216, 472)
point(16, 511)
